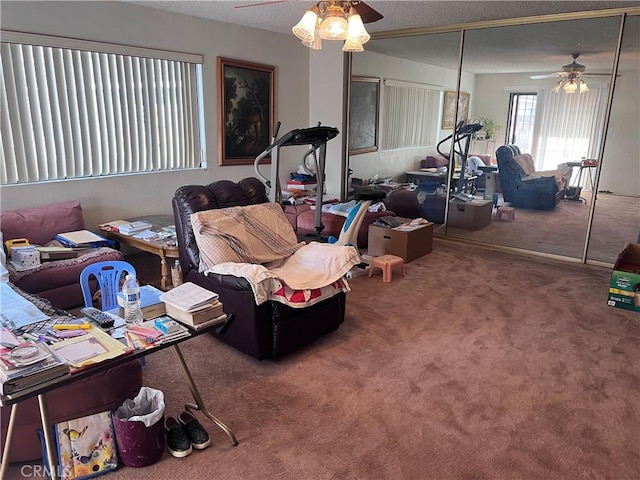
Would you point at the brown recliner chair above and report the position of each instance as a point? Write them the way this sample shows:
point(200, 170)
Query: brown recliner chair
point(263, 331)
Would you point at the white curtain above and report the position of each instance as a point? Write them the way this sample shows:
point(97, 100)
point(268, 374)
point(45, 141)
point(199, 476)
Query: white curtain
point(410, 116)
point(568, 127)
point(70, 113)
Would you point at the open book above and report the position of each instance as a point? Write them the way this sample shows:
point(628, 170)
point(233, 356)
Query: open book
point(189, 297)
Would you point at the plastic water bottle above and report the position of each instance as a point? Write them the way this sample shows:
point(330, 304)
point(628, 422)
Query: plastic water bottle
point(176, 274)
point(131, 294)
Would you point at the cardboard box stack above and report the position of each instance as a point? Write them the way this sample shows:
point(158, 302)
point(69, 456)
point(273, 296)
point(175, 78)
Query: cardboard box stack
point(624, 289)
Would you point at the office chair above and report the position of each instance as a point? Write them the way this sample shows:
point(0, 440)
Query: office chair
point(108, 275)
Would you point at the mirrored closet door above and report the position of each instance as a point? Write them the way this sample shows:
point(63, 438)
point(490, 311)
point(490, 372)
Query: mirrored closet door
point(616, 218)
point(554, 119)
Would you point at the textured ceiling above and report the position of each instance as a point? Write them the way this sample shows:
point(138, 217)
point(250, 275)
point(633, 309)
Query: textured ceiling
point(533, 48)
point(281, 16)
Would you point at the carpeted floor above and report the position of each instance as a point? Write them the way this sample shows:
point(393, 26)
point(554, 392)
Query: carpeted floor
point(562, 231)
point(476, 365)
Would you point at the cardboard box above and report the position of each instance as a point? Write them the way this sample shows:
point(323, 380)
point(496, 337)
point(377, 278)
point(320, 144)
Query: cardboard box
point(472, 215)
point(408, 245)
point(624, 289)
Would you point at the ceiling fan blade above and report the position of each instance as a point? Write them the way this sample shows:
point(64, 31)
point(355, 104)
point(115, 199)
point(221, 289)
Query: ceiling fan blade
point(368, 14)
point(548, 75)
point(259, 4)
point(596, 74)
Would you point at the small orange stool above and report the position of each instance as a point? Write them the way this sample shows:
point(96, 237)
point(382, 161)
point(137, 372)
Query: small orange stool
point(387, 263)
point(508, 212)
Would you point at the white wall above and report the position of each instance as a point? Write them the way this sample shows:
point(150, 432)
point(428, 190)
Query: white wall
point(621, 161)
point(395, 162)
point(492, 96)
point(326, 75)
point(105, 199)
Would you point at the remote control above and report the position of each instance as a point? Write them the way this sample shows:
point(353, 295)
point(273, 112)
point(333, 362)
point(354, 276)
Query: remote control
point(103, 319)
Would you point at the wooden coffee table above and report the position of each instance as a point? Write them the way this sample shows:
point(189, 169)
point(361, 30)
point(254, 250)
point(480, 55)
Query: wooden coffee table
point(162, 248)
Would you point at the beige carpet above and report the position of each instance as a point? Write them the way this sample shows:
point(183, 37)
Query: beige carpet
point(476, 365)
point(562, 231)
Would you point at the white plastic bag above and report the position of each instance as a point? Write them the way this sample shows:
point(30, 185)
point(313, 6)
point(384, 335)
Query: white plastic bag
point(147, 407)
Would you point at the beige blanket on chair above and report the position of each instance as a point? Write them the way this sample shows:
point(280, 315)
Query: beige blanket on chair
point(313, 267)
point(251, 234)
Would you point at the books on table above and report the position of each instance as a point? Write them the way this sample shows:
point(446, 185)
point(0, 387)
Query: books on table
point(150, 303)
point(134, 227)
point(192, 304)
point(17, 373)
point(199, 316)
point(93, 347)
point(189, 297)
point(82, 238)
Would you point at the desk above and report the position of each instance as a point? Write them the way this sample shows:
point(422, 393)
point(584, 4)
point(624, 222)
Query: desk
point(41, 390)
point(421, 176)
point(160, 247)
point(582, 166)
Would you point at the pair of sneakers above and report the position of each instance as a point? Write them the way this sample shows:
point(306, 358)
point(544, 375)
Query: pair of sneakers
point(185, 433)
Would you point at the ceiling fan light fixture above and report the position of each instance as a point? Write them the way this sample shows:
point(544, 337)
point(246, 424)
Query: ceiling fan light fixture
point(334, 26)
point(557, 86)
point(306, 27)
point(352, 46)
point(570, 87)
point(583, 86)
point(356, 30)
point(316, 43)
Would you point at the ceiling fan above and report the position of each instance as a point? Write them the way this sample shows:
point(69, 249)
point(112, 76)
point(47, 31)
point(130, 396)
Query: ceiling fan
point(571, 76)
point(573, 70)
point(367, 13)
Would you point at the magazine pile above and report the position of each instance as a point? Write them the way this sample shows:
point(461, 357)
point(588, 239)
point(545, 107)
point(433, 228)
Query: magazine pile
point(26, 364)
point(193, 306)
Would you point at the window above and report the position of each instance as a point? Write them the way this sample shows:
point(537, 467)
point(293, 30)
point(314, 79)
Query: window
point(568, 127)
point(72, 109)
point(410, 115)
point(522, 115)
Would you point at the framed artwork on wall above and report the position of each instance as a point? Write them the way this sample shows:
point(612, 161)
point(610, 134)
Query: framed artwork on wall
point(364, 115)
point(245, 110)
point(448, 110)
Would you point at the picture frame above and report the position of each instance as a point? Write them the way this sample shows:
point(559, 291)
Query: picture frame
point(364, 115)
point(448, 109)
point(246, 104)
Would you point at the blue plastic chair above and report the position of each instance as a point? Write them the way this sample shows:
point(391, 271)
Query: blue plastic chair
point(108, 274)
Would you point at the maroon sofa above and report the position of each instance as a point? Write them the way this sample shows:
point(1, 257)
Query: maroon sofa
point(302, 218)
point(58, 280)
point(271, 329)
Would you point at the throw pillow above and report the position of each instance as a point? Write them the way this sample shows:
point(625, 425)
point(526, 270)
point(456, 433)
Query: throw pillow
point(526, 162)
point(249, 234)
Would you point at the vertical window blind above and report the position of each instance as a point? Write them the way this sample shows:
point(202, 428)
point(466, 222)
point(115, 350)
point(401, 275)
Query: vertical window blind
point(568, 127)
point(74, 113)
point(410, 116)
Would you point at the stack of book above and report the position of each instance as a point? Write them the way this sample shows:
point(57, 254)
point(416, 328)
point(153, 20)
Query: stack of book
point(134, 227)
point(193, 305)
point(24, 365)
point(150, 303)
point(83, 238)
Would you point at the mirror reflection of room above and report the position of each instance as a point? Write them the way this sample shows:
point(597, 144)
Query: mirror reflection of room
point(542, 88)
point(616, 218)
point(546, 85)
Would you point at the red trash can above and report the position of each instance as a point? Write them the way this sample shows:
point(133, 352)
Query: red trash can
point(138, 425)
